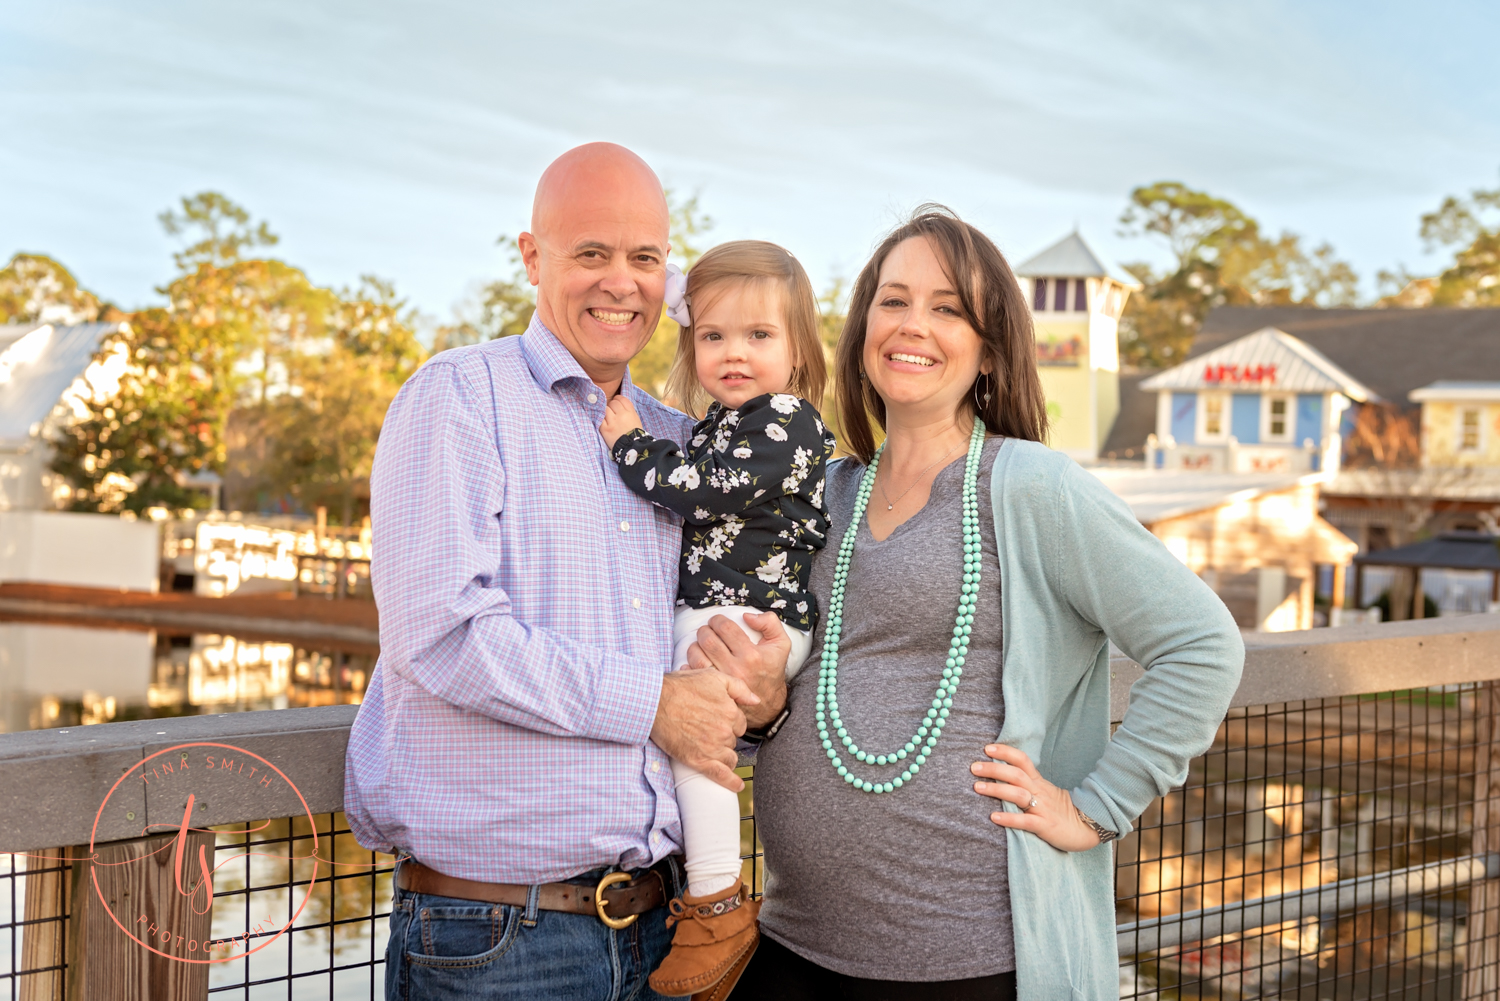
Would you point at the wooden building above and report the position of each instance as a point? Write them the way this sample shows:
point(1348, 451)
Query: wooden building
point(1256, 539)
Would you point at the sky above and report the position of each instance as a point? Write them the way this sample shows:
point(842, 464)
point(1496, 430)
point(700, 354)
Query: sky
point(401, 139)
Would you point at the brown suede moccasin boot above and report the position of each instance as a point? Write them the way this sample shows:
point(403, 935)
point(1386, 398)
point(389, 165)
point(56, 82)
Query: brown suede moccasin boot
point(714, 940)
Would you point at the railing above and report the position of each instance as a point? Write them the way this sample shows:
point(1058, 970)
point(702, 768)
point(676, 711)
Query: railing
point(1332, 844)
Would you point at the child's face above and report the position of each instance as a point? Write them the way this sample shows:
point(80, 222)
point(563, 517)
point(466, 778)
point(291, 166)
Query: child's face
point(741, 343)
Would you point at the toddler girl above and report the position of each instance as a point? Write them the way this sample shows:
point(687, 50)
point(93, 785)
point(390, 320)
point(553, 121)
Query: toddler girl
point(749, 487)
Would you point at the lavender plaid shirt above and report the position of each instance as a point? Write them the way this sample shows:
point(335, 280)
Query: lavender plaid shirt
point(526, 600)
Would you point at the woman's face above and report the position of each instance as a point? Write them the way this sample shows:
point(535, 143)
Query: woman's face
point(921, 354)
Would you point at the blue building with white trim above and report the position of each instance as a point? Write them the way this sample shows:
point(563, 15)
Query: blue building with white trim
point(1265, 403)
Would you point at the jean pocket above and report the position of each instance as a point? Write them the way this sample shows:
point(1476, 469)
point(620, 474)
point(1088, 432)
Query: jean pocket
point(454, 934)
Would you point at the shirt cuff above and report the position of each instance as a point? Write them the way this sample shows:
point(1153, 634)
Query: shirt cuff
point(625, 702)
point(627, 441)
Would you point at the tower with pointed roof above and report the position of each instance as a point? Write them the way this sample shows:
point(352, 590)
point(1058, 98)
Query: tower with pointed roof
point(1076, 301)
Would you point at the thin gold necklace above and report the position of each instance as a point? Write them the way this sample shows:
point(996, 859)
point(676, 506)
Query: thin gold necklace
point(890, 505)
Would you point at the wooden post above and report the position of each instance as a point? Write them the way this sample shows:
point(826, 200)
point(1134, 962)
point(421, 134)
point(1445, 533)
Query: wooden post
point(138, 880)
point(1336, 600)
point(1418, 599)
point(1482, 963)
point(44, 944)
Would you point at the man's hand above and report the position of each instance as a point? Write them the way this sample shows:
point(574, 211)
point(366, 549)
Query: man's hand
point(698, 719)
point(619, 418)
point(761, 666)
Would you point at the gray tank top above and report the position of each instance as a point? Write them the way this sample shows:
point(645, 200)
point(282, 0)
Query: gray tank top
point(909, 885)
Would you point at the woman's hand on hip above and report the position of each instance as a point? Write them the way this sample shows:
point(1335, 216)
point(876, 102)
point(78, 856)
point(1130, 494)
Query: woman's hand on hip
point(1014, 779)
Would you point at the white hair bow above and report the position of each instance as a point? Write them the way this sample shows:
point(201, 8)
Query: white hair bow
point(676, 298)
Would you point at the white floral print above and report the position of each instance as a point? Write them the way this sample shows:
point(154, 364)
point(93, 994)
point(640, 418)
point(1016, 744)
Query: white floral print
point(750, 488)
point(684, 476)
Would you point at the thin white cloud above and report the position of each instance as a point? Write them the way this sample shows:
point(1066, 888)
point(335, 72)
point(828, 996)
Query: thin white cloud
point(400, 138)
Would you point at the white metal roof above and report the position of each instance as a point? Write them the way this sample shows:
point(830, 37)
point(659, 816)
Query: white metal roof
point(1268, 359)
point(1070, 257)
point(1157, 494)
point(38, 362)
point(1456, 390)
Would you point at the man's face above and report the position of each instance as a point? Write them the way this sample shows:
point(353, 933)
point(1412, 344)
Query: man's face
point(598, 258)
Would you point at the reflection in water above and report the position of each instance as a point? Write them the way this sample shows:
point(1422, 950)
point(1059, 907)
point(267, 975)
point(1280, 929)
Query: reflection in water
point(58, 676)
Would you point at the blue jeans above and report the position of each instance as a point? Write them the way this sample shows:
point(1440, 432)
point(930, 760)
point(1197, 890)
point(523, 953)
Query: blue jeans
point(446, 949)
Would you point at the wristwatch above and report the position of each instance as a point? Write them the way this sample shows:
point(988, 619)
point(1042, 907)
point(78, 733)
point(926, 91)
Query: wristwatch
point(770, 730)
point(1105, 834)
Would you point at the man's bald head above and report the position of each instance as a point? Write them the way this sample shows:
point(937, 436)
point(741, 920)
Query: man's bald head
point(588, 175)
point(597, 253)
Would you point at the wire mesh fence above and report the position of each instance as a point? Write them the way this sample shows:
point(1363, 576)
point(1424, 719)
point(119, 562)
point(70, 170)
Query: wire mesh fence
point(1322, 849)
point(302, 904)
point(1328, 849)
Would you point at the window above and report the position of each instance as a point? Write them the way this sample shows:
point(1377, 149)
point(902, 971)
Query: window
point(1468, 429)
point(1278, 418)
point(1039, 303)
point(1060, 301)
point(1214, 424)
point(1081, 295)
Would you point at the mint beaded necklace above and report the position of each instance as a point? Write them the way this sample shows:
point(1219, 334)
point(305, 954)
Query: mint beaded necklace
point(931, 727)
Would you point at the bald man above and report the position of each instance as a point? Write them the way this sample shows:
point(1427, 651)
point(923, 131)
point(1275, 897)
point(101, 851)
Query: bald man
point(513, 743)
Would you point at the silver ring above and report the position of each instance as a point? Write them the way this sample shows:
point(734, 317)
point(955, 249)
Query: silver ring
point(1030, 806)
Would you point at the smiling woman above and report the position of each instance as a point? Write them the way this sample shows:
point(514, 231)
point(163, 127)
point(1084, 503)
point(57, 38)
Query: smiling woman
point(972, 287)
point(934, 809)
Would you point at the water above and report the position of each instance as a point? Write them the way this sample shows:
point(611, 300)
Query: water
point(64, 676)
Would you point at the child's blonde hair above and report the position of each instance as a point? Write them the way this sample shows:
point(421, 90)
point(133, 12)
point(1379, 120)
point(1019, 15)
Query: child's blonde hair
point(762, 263)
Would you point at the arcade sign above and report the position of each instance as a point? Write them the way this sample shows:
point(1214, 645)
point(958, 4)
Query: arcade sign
point(1240, 374)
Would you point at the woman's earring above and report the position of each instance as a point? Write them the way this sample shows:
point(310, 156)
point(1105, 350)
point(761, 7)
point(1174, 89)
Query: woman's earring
point(987, 393)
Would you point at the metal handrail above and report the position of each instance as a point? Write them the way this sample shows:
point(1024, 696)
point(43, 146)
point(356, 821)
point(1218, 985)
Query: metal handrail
point(1172, 930)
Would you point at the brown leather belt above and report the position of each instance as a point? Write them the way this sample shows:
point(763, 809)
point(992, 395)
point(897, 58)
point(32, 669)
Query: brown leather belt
point(617, 900)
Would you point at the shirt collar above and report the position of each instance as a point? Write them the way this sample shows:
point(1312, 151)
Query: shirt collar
point(551, 363)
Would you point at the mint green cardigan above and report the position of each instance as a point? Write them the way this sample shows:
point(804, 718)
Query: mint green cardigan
point(1076, 571)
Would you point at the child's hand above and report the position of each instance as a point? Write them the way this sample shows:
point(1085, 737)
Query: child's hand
point(619, 418)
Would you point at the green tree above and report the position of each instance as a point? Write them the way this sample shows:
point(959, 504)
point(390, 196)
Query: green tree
point(502, 308)
point(322, 434)
point(1222, 257)
point(688, 223)
point(35, 288)
point(225, 343)
point(223, 229)
point(1472, 225)
point(132, 442)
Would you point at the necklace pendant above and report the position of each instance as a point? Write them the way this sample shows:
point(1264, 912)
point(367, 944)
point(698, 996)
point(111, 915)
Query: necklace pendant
point(890, 507)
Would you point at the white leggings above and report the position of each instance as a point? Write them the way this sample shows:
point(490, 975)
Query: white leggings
point(710, 813)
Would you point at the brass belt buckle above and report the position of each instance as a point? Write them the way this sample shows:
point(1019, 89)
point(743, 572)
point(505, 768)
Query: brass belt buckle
point(610, 880)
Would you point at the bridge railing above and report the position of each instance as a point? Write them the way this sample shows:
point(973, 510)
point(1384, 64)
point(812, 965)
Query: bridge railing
point(1341, 839)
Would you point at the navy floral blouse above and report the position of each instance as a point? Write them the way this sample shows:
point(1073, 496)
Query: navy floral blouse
point(749, 486)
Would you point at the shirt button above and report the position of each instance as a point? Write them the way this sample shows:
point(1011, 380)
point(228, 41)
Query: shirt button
point(624, 526)
point(656, 766)
point(593, 397)
point(635, 603)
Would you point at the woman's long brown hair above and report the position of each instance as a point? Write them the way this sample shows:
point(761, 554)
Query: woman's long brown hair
point(994, 305)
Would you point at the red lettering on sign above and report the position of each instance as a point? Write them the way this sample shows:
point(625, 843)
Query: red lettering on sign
point(1239, 373)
